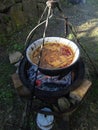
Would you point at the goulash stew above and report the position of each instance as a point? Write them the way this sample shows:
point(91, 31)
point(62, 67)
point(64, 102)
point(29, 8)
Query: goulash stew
point(54, 55)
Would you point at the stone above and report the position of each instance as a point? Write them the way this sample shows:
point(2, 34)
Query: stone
point(30, 8)
point(5, 5)
point(14, 57)
point(4, 19)
point(63, 103)
point(2, 7)
point(8, 3)
point(17, 15)
point(81, 91)
point(16, 81)
point(22, 91)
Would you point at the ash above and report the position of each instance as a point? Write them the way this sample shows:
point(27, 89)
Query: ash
point(49, 83)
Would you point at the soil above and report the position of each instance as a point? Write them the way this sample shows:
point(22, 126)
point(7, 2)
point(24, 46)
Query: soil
point(85, 19)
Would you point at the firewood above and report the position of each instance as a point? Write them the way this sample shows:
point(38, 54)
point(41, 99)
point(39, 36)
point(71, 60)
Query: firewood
point(81, 91)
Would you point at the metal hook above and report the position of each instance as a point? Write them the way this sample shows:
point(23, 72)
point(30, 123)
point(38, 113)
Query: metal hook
point(53, 4)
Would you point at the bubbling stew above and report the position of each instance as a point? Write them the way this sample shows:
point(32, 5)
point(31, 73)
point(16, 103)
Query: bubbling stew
point(54, 55)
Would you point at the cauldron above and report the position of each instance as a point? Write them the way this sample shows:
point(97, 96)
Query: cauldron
point(55, 71)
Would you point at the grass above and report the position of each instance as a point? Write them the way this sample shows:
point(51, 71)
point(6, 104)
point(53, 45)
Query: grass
point(6, 91)
point(9, 43)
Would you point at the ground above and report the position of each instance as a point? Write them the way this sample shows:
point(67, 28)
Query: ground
point(85, 19)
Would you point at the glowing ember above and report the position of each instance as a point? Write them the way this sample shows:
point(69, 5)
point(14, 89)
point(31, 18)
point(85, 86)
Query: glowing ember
point(49, 83)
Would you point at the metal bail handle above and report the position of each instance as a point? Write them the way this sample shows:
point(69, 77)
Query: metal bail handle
point(51, 4)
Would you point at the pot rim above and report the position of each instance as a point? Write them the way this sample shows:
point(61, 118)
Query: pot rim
point(38, 42)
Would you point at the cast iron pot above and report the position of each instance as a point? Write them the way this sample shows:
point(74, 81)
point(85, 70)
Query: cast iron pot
point(79, 72)
point(55, 71)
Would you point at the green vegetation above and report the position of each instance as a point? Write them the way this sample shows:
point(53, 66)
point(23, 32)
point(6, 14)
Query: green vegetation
point(11, 42)
point(3, 39)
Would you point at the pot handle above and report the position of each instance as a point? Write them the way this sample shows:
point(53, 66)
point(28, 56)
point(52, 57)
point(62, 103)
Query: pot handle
point(28, 39)
point(32, 32)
